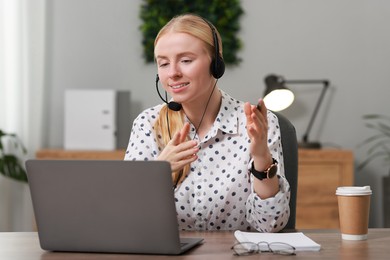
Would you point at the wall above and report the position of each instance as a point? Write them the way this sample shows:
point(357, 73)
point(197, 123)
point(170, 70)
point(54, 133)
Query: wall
point(96, 44)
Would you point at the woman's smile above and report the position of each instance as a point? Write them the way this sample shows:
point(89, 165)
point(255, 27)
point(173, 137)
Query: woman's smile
point(178, 87)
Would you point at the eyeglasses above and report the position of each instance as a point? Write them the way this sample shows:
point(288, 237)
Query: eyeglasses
point(249, 248)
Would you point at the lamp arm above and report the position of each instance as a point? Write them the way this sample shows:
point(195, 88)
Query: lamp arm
point(305, 137)
point(314, 115)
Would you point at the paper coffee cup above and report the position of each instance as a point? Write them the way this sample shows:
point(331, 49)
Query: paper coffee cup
point(354, 209)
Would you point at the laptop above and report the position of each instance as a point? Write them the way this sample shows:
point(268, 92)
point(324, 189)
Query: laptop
point(106, 206)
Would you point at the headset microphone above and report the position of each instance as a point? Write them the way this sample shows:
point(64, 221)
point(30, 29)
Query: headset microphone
point(171, 105)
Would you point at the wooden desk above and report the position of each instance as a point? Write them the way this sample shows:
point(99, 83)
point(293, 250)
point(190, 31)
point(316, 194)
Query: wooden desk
point(20, 245)
point(320, 172)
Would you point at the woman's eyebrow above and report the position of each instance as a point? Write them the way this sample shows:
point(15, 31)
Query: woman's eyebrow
point(187, 53)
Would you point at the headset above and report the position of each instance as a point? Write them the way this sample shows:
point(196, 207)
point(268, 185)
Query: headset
point(217, 66)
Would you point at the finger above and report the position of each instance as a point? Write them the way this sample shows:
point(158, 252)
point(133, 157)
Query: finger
point(256, 118)
point(189, 159)
point(175, 139)
point(255, 114)
point(254, 130)
point(261, 112)
point(260, 122)
point(180, 164)
point(263, 108)
point(248, 112)
point(187, 152)
point(184, 132)
point(186, 146)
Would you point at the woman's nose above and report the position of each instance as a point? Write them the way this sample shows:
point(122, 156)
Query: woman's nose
point(174, 71)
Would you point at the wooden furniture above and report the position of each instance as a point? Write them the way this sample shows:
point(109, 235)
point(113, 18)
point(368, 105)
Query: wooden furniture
point(320, 172)
point(25, 245)
point(82, 154)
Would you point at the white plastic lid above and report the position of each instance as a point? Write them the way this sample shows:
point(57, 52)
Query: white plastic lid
point(354, 191)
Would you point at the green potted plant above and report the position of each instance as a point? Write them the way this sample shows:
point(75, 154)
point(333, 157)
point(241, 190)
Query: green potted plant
point(224, 14)
point(379, 149)
point(11, 165)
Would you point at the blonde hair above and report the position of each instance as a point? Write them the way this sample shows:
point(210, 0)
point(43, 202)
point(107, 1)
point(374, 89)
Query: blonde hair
point(198, 27)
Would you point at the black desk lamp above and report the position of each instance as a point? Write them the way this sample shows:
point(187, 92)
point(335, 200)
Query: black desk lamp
point(278, 97)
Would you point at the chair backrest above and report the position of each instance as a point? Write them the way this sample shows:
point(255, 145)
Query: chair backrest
point(290, 158)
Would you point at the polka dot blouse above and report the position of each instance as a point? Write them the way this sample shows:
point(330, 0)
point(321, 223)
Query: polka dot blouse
point(218, 193)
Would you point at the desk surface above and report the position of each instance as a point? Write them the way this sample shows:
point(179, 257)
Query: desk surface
point(25, 245)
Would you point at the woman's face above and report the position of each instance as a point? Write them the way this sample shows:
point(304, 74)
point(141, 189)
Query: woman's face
point(184, 67)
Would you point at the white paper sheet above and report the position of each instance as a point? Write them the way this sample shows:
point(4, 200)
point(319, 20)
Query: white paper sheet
point(297, 239)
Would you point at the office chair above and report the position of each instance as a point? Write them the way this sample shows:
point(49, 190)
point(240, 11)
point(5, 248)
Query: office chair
point(290, 158)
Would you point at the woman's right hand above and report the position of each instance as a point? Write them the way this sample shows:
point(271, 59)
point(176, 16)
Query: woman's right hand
point(179, 152)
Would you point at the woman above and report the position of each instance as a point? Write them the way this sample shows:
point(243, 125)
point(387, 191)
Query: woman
point(220, 149)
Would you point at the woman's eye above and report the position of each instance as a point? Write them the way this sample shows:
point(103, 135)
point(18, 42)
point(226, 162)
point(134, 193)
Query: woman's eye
point(163, 64)
point(186, 61)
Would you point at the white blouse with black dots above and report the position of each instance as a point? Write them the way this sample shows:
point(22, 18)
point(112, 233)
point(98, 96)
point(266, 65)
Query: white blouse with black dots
point(218, 192)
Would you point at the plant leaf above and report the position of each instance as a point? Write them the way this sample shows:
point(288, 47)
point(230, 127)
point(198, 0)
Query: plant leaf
point(378, 144)
point(10, 165)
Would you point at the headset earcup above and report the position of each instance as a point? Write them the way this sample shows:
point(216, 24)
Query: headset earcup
point(217, 67)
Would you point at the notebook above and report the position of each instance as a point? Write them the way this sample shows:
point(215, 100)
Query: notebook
point(297, 239)
point(105, 206)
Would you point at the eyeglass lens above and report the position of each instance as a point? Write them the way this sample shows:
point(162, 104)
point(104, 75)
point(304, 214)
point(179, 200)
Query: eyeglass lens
point(249, 248)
